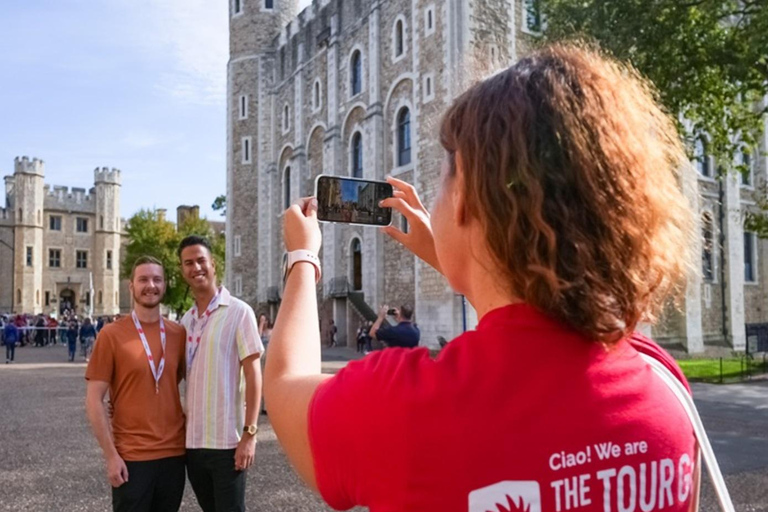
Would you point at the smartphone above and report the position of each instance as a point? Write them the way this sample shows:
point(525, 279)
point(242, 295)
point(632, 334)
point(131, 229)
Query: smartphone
point(352, 200)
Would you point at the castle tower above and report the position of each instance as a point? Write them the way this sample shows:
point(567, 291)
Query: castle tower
point(28, 198)
point(254, 26)
point(106, 255)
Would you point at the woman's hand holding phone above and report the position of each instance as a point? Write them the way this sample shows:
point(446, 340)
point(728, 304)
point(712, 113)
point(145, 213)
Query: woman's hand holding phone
point(419, 239)
point(300, 227)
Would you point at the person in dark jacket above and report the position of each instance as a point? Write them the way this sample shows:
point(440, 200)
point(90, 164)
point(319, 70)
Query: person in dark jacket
point(87, 337)
point(72, 339)
point(10, 338)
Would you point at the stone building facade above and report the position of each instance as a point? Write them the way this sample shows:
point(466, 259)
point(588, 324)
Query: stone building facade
point(54, 241)
point(357, 88)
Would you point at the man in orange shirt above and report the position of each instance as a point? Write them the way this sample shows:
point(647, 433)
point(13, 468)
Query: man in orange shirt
point(139, 359)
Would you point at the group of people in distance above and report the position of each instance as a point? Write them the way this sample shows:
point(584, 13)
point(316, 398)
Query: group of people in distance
point(560, 217)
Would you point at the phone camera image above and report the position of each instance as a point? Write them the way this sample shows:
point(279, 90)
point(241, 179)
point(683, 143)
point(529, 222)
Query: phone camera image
point(353, 201)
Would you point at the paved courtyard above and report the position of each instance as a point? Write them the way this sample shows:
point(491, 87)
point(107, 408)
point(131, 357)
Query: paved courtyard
point(49, 460)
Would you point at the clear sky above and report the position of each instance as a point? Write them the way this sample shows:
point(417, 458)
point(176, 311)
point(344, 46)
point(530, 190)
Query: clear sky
point(139, 85)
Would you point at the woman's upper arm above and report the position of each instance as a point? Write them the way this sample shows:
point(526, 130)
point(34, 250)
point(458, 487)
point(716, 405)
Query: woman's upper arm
point(290, 421)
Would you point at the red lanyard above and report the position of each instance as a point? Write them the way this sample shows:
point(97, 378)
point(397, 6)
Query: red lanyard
point(193, 339)
point(156, 372)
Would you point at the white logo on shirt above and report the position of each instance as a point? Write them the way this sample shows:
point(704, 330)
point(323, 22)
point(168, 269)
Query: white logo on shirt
point(509, 496)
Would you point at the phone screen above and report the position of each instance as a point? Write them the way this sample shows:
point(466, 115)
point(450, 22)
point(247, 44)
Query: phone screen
point(352, 200)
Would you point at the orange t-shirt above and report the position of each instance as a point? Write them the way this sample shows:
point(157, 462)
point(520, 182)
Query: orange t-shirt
point(145, 425)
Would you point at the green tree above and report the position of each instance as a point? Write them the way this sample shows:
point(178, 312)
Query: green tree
point(707, 58)
point(148, 234)
point(220, 204)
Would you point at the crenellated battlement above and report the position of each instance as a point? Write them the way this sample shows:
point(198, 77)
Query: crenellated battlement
point(24, 165)
point(105, 175)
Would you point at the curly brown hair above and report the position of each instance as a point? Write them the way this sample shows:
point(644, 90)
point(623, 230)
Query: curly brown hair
point(574, 172)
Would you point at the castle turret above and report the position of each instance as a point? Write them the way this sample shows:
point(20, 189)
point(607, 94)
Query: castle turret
point(254, 26)
point(28, 196)
point(106, 260)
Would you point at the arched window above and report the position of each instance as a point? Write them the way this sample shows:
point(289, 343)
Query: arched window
point(356, 73)
point(287, 188)
point(357, 155)
point(101, 298)
point(101, 222)
point(398, 38)
point(18, 296)
point(21, 217)
point(404, 137)
point(708, 247)
point(37, 297)
point(39, 217)
point(286, 122)
point(357, 265)
point(117, 298)
point(702, 158)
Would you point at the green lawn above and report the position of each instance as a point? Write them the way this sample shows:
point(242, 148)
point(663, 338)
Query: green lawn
point(709, 369)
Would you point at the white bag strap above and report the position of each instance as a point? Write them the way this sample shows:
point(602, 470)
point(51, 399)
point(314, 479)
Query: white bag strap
point(698, 427)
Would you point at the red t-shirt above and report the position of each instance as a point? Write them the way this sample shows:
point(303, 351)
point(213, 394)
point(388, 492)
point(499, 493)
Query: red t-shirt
point(521, 414)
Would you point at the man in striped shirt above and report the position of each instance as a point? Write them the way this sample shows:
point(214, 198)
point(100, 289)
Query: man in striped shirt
point(223, 383)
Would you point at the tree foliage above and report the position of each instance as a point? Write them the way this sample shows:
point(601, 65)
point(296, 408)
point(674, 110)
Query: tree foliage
point(150, 235)
point(708, 59)
point(220, 204)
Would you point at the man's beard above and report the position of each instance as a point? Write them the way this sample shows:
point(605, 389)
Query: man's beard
point(148, 301)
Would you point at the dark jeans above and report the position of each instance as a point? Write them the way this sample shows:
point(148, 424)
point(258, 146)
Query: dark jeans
point(153, 485)
point(10, 351)
point(72, 346)
point(217, 485)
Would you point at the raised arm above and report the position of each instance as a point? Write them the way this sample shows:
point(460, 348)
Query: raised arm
point(293, 369)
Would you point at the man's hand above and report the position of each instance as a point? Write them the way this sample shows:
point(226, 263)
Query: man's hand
point(244, 454)
point(117, 472)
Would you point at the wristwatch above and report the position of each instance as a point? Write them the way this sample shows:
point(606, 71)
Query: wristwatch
point(293, 257)
point(250, 429)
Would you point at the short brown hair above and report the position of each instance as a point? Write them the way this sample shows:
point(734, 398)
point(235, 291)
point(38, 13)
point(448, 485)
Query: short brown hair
point(574, 172)
point(144, 260)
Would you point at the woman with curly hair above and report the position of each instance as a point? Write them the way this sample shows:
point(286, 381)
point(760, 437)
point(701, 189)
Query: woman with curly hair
point(563, 179)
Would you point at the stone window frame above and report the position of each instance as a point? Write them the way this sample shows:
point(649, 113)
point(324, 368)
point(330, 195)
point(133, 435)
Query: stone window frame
point(47, 300)
point(264, 7)
point(524, 19)
point(238, 285)
point(356, 131)
point(77, 258)
point(51, 222)
point(351, 267)
point(242, 107)
point(707, 213)
point(700, 153)
point(350, 91)
point(407, 134)
point(750, 183)
point(754, 256)
point(399, 169)
point(317, 96)
point(237, 8)
point(85, 225)
point(395, 57)
point(29, 257)
point(246, 150)
point(237, 247)
point(100, 298)
point(430, 9)
point(428, 87)
point(108, 260)
point(50, 259)
point(286, 123)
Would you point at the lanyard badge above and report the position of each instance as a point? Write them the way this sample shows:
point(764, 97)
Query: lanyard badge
point(156, 372)
point(194, 337)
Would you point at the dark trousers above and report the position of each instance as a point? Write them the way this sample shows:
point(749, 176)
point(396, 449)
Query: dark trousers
point(10, 351)
point(152, 486)
point(217, 485)
point(72, 347)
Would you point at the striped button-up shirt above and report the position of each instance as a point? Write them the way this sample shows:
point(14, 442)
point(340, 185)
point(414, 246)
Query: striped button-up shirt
point(215, 392)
